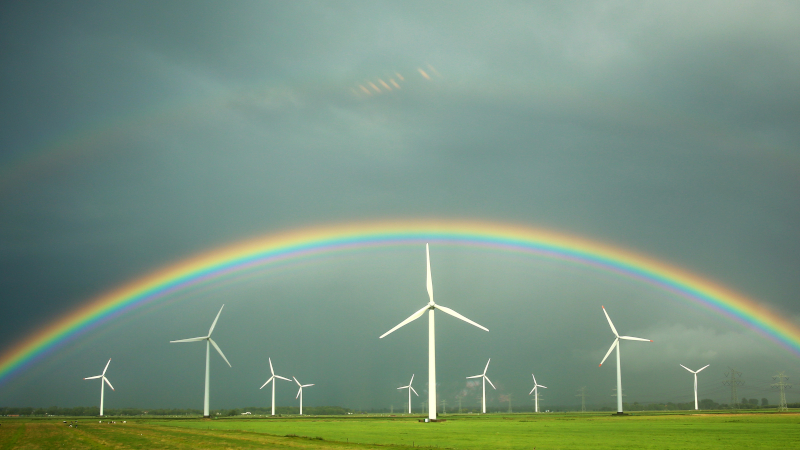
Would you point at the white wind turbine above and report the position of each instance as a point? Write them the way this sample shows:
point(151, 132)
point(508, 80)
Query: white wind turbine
point(619, 371)
point(409, 392)
point(211, 342)
point(535, 389)
point(485, 379)
point(695, 372)
point(272, 379)
point(102, 384)
point(300, 393)
point(430, 307)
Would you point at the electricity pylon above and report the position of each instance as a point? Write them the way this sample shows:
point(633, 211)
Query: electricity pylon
point(781, 385)
point(733, 382)
point(582, 395)
point(444, 406)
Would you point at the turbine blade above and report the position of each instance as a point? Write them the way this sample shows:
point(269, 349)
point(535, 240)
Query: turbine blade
point(412, 380)
point(534, 379)
point(411, 318)
point(295, 380)
point(220, 351)
point(270, 367)
point(487, 366)
point(270, 379)
point(412, 390)
point(190, 340)
point(109, 362)
point(690, 370)
point(92, 378)
point(282, 378)
point(698, 370)
point(459, 316)
point(531, 392)
point(609, 322)
point(490, 382)
point(109, 383)
point(430, 280)
point(298, 393)
point(215, 320)
point(476, 376)
point(307, 385)
point(616, 341)
point(404, 387)
point(539, 385)
point(631, 338)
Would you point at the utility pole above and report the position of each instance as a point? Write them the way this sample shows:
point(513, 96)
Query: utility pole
point(391, 409)
point(781, 385)
point(459, 404)
point(582, 395)
point(509, 403)
point(733, 382)
point(424, 404)
point(444, 406)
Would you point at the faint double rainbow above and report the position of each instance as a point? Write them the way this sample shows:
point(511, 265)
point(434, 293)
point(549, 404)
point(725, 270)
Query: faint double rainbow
point(275, 250)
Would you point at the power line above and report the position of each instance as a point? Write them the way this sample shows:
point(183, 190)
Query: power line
point(733, 382)
point(781, 385)
point(582, 395)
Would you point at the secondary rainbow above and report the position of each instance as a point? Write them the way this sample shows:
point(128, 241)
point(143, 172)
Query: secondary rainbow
point(276, 250)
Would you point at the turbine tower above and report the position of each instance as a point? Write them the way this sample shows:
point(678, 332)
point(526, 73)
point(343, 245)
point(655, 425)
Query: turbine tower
point(209, 342)
point(485, 379)
point(430, 307)
point(102, 385)
point(300, 393)
point(619, 370)
point(695, 372)
point(409, 392)
point(272, 379)
point(535, 389)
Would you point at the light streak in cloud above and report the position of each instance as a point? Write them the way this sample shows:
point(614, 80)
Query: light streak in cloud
point(365, 90)
point(422, 72)
point(394, 83)
point(372, 85)
point(400, 77)
point(434, 70)
point(383, 83)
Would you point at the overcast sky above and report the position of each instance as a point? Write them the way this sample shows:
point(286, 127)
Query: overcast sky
point(137, 134)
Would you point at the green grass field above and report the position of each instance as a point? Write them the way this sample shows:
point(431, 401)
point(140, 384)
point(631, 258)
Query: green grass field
point(495, 431)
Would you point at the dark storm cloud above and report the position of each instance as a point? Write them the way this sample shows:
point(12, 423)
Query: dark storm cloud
point(665, 128)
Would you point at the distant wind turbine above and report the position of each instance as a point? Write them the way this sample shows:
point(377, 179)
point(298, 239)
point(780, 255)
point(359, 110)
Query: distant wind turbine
point(695, 372)
point(211, 342)
point(300, 393)
point(102, 385)
point(272, 379)
point(430, 307)
point(535, 389)
point(409, 392)
point(485, 379)
point(619, 370)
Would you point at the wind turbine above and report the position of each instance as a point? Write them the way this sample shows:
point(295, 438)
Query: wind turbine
point(300, 393)
point(535, 389)
point(695, 372)
point(102, 385)
point(211, 342)
point(409, 392)
point(619, 371)
point(272, 379)
point(485, 379)
point(430, 307)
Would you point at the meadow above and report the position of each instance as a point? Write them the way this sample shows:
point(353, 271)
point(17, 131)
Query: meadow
point(495, 431)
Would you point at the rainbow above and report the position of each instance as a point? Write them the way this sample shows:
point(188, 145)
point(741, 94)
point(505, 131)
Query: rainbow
point(276, 250)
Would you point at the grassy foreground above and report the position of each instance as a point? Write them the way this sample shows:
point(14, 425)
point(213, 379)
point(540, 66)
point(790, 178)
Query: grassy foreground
point(515, 431)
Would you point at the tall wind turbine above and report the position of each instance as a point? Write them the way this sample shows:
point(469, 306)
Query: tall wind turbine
point(619, 371)
point(430, 307)
point(485, 379)
point(300, 393)
point(272, 379)
point(105, 380)
point(209, 342)
point(535, 389)
point(695, 372)
point(409, 392)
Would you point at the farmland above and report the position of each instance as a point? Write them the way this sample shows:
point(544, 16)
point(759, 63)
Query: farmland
point(502, 431)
